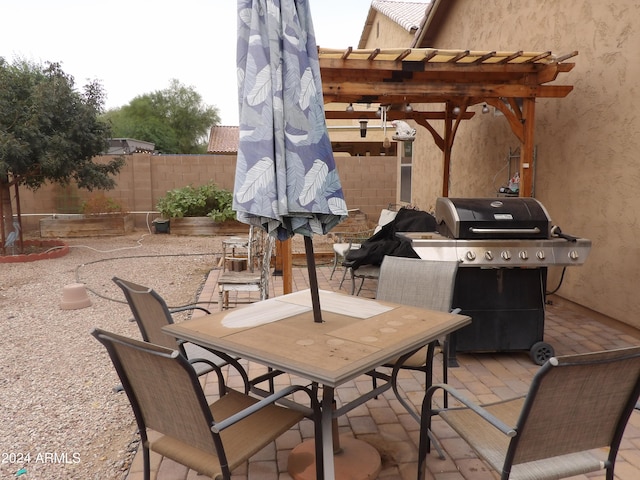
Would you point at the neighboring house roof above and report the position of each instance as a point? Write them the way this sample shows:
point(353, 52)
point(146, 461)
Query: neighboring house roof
point(408, 15)
point(223, 139)
point(127, 146)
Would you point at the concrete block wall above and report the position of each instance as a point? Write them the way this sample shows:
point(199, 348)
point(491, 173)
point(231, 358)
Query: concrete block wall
point(369, 184)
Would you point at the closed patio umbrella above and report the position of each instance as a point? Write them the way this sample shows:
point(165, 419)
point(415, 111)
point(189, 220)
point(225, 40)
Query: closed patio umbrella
point(286, 178)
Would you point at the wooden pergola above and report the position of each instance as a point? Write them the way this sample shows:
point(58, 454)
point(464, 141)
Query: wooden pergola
point(445, 83)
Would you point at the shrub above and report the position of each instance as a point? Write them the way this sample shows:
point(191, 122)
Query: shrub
point(204, 201)
point(100, 204)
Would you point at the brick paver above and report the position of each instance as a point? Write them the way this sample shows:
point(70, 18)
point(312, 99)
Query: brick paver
point(386, 425)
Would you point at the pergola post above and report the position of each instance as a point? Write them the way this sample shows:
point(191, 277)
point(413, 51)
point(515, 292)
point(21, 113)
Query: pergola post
point(446, 152)
point(527, 149)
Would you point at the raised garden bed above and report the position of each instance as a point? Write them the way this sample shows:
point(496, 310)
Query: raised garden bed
point(206, 226)
point(67, 226)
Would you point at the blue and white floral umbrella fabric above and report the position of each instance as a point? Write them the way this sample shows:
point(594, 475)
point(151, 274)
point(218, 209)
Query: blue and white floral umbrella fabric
point(286, 177)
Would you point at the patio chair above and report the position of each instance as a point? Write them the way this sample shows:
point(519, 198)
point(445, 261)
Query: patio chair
point(346, 241)
point(166, 397)
point(151, 313)
point(242, 250)
point(365, 272)
point(575, 405)
point(247, 281)
point(418, 283)
point(365, 262)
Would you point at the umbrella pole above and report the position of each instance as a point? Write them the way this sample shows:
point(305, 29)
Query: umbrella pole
point(313, 279)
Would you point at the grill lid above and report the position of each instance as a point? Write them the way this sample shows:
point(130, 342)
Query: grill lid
point(486, 218)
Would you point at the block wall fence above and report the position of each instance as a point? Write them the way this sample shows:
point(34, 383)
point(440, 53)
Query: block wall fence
point(369, 184)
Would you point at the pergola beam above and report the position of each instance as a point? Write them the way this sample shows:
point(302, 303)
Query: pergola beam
point(391, 115)
point(362, 91)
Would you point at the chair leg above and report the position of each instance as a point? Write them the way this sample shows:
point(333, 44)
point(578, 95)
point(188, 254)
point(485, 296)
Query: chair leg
point(344, 276)
point(223, 298)
point(335, 265)
point(146, 461)
point(423, 447)
point(272, 385)
point(428, 371)
point(425, 439)
point(445, 367)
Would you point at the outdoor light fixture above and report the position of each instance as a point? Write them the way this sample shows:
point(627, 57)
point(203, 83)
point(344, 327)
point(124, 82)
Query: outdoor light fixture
point(485, 109)
point(363, 127)
point(408, 108)
point(350, 107)
point(456, 110)
point(379, 112)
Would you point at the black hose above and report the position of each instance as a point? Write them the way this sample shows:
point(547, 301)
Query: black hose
point(564, 269)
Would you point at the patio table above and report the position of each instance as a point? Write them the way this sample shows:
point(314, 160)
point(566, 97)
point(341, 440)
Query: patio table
point(356, 336)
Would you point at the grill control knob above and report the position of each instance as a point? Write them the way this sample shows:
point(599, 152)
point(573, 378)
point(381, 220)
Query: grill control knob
point(506, 255)
point(540, 254)
point(488, 255)
point(470, 256)
point(523, 255)
point(574, 255)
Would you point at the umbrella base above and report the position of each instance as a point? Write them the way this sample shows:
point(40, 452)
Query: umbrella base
point(357, 460)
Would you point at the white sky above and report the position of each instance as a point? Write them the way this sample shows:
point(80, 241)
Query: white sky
point(136, 46)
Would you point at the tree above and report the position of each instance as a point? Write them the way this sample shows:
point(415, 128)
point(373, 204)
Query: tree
point(49, 131)
point(175, 119)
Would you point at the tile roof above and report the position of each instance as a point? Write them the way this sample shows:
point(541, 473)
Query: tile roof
point(223, 139)
point(408, 15)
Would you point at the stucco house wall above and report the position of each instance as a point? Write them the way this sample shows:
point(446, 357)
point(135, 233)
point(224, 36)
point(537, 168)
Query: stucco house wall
point(383, 29)
point(587, 167)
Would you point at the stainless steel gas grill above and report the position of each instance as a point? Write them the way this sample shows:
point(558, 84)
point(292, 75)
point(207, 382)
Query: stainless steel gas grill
point(503, 246)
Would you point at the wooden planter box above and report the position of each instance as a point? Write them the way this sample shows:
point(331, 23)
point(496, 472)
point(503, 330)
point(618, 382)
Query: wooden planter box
point(66, 226)
point(206, 226)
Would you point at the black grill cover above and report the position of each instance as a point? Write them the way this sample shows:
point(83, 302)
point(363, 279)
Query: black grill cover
point(386, 242)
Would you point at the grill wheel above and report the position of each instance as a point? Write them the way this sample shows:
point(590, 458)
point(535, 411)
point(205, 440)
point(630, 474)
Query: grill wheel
point(541, 352)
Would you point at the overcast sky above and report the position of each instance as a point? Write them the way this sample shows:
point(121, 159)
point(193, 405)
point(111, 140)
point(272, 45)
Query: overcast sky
point(136, 46)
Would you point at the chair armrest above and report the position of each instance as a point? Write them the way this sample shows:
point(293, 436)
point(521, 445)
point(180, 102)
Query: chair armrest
point(229, 360)
point(217, 427)
point(492, 419)
point(188, 307)
point(222, 387)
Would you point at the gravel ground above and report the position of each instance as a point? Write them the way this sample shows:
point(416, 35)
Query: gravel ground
point(60, 418)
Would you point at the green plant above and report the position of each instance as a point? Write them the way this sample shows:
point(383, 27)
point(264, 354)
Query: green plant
point(99, 204)
point(205, 201)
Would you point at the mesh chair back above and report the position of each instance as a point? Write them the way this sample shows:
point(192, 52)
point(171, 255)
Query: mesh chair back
point(150, 312)
point(163, 390)
point(578, 403)
point(418, 283)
